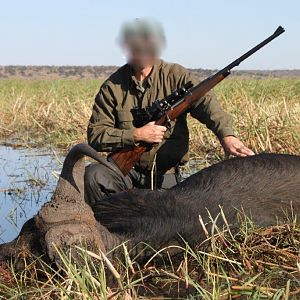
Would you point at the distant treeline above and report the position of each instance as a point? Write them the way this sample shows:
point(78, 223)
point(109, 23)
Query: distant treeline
point(95, 72)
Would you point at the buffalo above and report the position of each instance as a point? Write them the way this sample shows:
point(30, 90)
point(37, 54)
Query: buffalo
point(265, 187)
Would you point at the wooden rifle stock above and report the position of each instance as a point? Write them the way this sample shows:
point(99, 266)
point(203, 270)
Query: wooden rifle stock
point(127, 158)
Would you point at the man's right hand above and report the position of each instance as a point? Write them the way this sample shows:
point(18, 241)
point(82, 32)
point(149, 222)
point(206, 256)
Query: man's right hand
point(149, 133)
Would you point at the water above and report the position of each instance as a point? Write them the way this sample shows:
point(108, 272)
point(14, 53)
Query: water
point(27, 180)
point(194, 166)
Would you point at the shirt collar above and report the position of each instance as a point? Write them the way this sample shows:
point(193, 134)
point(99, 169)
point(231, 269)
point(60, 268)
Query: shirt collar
point(150, 78)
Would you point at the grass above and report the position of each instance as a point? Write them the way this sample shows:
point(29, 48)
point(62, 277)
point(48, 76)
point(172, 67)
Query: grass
point(266, 116)
point(250, 263)
point(56, 112)
point(52, 112)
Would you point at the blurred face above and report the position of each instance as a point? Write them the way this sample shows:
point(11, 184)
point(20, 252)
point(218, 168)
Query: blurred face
point(141, 52)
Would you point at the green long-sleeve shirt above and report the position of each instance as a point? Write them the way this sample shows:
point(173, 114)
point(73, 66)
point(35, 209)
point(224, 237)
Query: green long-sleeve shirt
point(111, 124)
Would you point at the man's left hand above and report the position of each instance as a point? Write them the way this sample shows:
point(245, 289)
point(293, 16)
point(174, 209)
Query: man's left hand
point(234, 146)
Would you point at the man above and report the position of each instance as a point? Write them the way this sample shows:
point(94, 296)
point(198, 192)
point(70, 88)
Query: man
point(142, 80)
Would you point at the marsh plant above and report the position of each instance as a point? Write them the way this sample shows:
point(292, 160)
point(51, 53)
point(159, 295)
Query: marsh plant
point(56, 112)
point(246, 262)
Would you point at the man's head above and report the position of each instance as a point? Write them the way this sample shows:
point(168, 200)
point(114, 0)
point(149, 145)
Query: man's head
point(142, 40)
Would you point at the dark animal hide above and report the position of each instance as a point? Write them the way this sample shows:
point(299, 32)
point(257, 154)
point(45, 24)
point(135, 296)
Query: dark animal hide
point(264, 186)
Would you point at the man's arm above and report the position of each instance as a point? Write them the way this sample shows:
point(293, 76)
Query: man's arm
point(102, 133)
point(209, 111)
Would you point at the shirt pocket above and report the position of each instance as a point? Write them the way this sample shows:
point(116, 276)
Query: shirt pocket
point(125, 119)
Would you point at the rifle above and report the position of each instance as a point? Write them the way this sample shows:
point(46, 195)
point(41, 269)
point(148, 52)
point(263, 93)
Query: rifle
point(165, 110)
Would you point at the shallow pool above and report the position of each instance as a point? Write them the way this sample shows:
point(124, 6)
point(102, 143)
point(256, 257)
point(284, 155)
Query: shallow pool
point(27, 180)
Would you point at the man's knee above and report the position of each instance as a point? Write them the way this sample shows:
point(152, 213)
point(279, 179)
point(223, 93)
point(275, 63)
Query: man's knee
point(101, 181)
point(92, 173)
point(93, 182)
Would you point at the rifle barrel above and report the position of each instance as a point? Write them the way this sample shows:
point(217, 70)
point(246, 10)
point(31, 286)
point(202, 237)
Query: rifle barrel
point(235, 63)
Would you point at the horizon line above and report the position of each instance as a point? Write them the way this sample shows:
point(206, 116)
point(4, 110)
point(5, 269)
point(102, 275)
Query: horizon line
point(116, 66)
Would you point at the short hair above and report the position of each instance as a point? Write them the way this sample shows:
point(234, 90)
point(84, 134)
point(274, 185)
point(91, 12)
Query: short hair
point(145, 29)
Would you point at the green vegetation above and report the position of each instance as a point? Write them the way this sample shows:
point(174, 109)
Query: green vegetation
point(50, 112)
point(251, 263)
point(56, 112)
point(266, 116)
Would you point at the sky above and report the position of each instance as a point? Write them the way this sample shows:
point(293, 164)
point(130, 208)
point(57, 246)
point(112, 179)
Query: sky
point(200, 34)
